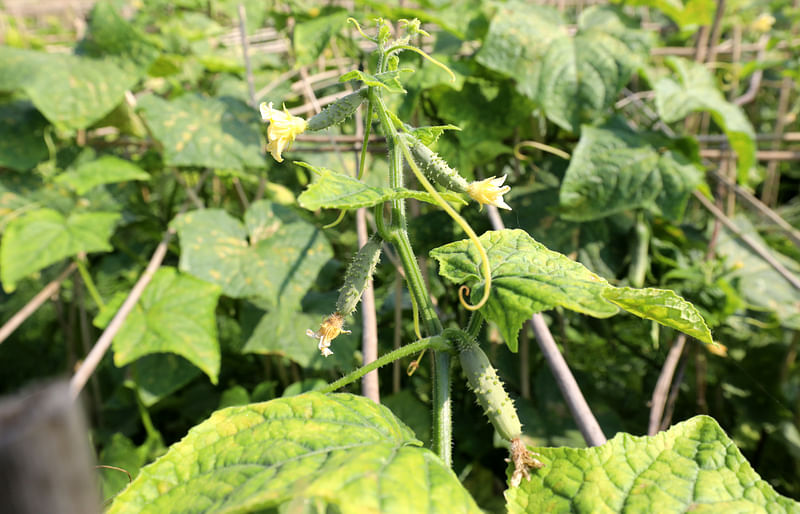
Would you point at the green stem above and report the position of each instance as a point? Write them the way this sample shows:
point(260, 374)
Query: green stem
point(416, 285)
point(475, 325)
point(442, 415)
point(395, 158)
point(435, 342)
point(89, 283)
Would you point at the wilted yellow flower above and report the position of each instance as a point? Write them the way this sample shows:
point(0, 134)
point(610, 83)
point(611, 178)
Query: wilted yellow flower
point(763, 23)
point(283, 128)
point(489, 192)
point(328, 331)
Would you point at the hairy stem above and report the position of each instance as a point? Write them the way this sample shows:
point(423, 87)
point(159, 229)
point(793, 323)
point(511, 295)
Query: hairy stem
point(442, 416)
point(435, 342)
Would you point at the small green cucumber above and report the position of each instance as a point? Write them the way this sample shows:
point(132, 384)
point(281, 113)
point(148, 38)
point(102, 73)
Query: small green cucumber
point(357, 276)
point(338, 111)
point(435, 168)
point(486, 385)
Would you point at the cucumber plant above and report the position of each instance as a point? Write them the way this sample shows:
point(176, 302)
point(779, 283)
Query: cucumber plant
point(247, 306)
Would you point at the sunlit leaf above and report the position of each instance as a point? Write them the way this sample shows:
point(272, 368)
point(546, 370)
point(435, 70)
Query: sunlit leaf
point(198, 131)
point(693, 90)
point(274, 255)
point(105, 170)
point(692, 467)
point(663, 306)
point(39, 238)
point(175, 314)
point(337, 191)
point(526, 278)
point(341, 450)
point(69, 90)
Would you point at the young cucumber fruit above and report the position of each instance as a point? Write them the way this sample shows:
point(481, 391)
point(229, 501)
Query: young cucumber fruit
point(435, 168)
point(338, 111)
point(486, 385)
point(357, 276)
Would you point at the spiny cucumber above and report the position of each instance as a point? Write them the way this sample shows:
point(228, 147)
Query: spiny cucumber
point(486, 385)
point(357, 276)
point(436, 168)
point(338, 111)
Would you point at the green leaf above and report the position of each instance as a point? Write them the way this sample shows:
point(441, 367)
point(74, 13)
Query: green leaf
point(663, 306)
point(69, 90)
point(615, 169)
point(388, 80)
point(695, 90)
point(111, 36)
point(689, 12)
point(175, 314)
point(758, 282)
point(340, 449)
point(334, 190)
point(160, 374)
point(573, 79)
point(39, 238)
point(312, 36)
point(526, 278)
point(208, 132)
point(283, 332)
point(105, 170)
point(275, 255)
point(692, 467)
point(21, 136)
point(429, 135)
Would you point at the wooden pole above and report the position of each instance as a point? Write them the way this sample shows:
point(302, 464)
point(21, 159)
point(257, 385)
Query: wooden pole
point(45, 462)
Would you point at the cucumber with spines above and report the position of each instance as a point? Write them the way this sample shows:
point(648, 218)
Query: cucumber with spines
point(436, 168)
point(338, 111)
point(486, 385)
point(357, 276)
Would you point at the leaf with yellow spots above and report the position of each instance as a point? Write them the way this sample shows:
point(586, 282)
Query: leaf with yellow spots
point(174, 315)
point(69, 90)
point(210, 132)
point(274, 255)
point(341, 450)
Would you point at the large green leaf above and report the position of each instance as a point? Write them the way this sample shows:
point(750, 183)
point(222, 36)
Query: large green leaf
point(105, 170)
point(334, 190)
point(572, 79)
point(664, 306)
point(39, 238)
point(615, 169)
point(692, 467)
point(199, 131)
point(689, 12)
point(341, 450)
point(175, 314)
point(21, 136)
point(526, 278)
point(275, 255)
point(696, 90)
point(69, 90)
point(109, 35)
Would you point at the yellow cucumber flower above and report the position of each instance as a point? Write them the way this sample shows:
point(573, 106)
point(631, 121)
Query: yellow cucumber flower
point(763, 23)
point(328, 331)
point(283, 128)
point(489, 192)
